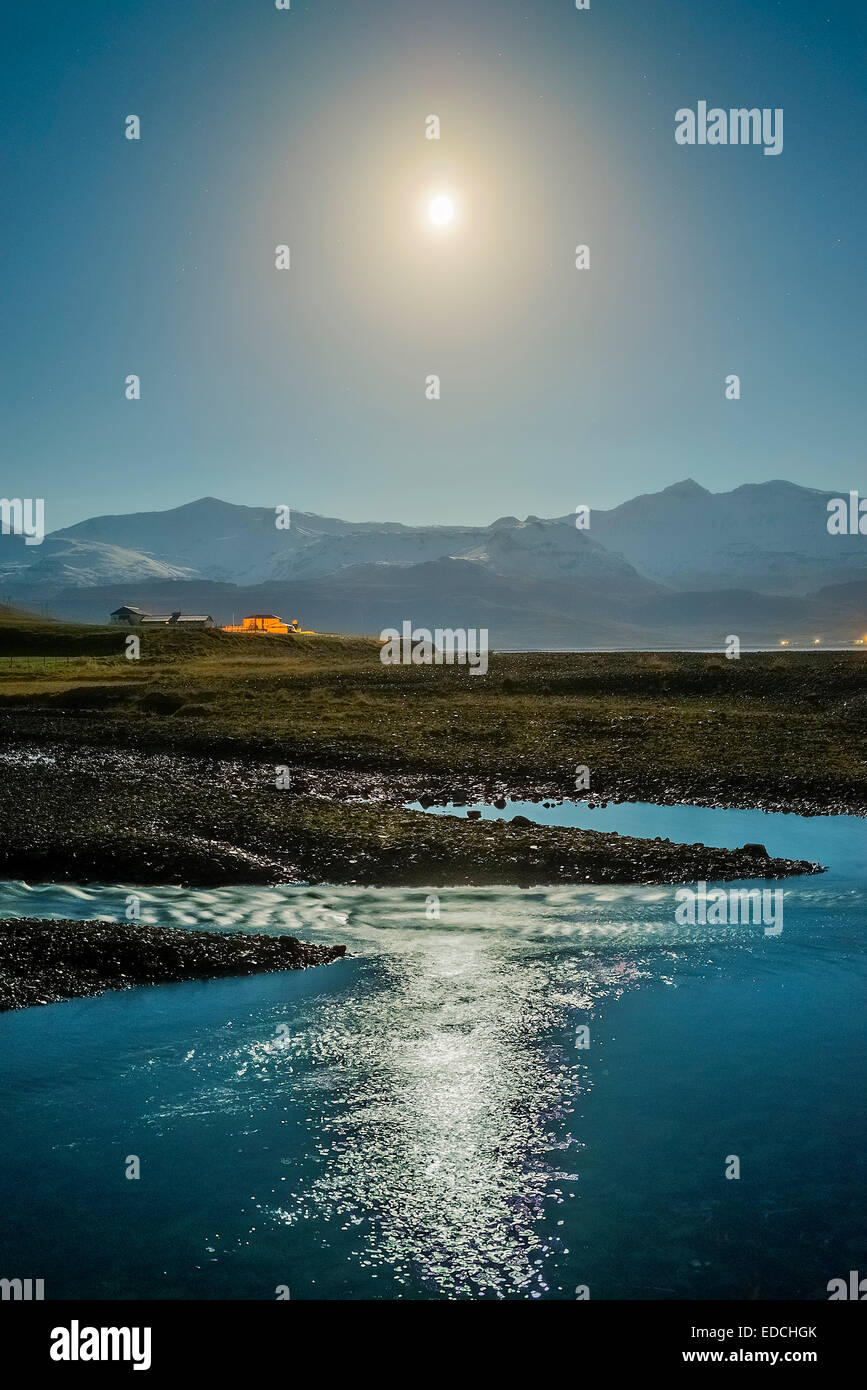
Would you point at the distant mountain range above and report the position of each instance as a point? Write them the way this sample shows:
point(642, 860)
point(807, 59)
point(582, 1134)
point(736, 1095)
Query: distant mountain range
point(679, 566)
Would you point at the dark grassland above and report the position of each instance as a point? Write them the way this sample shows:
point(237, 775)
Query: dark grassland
point(164, 768)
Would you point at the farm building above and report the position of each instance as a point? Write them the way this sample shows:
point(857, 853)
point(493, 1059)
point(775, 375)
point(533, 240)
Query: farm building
point(134, 617)
point(264, 625)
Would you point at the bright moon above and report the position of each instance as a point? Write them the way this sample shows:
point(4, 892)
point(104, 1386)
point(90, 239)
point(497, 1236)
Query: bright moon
point(441, 210)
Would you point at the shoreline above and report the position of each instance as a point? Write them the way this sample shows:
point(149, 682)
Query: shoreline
point(49, 960)
point(109, 816)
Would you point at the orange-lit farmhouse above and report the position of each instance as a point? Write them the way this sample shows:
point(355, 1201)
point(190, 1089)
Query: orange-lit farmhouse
point(267, 625)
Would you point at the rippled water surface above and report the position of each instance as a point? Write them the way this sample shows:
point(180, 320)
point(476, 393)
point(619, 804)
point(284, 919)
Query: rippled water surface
point(417, 1120)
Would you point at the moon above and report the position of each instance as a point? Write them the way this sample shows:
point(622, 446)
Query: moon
point(441, 210)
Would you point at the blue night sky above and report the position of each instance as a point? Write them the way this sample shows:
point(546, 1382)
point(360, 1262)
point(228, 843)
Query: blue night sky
point(306, 127)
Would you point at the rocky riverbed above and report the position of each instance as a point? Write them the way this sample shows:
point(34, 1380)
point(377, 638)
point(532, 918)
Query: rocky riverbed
point(43, 962)
point(97, 815)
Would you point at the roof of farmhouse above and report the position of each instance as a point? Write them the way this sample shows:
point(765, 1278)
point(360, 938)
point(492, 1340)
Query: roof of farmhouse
point(179, 618)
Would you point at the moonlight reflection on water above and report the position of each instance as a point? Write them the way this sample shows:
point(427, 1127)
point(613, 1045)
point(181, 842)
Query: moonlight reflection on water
point(419, 1120)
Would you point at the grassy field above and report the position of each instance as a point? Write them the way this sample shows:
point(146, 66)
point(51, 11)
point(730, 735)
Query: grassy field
point(784, 726)
point(28, 637)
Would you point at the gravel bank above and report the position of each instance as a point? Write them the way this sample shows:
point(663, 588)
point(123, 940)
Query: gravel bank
point(43, 962)
point(92, 815)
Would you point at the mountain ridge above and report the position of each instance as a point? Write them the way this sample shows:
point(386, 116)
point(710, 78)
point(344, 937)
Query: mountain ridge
point(653, 564)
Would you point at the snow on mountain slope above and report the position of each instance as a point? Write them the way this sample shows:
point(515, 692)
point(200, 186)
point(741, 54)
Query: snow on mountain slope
point(556, 551)
point(65, 563)
point(769, 536)
point(225, 541)
point(324, 555)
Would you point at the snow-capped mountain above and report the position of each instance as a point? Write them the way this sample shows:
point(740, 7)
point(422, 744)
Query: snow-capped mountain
point(767, 536)
point(672, 561)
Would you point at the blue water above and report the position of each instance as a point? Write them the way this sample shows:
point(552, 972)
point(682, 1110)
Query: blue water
point(424, 1125)
point(790, 837)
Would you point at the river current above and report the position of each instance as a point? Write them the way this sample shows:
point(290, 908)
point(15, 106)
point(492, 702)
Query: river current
point(499, 1093)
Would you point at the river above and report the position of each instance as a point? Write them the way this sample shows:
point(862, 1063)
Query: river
point(417, 1120)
